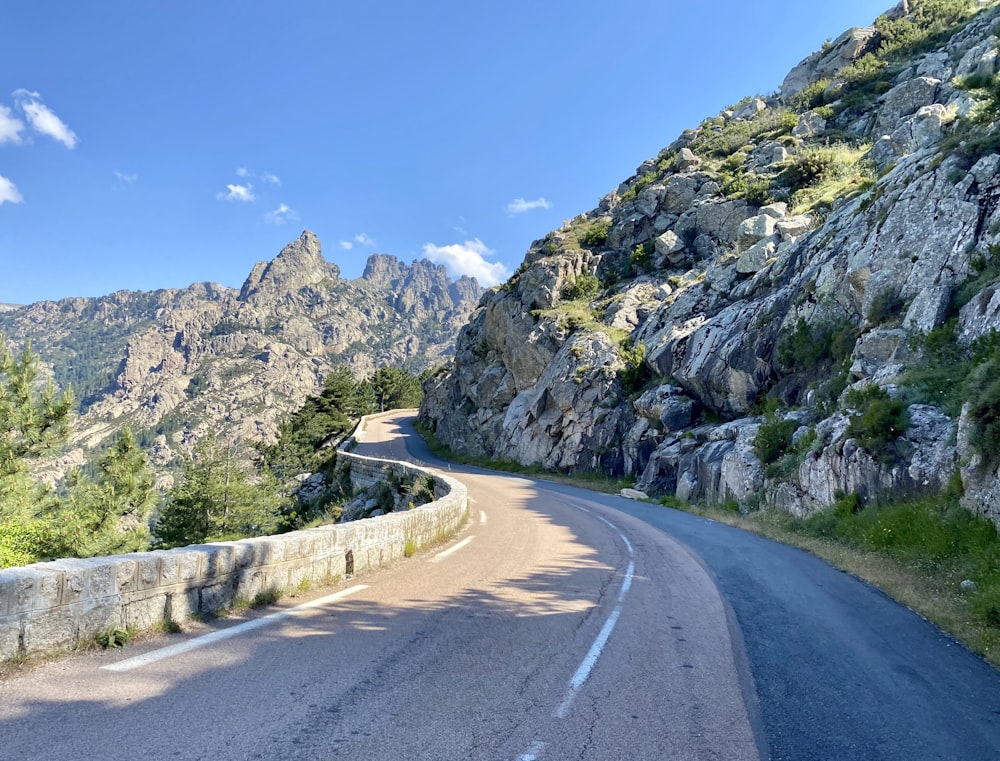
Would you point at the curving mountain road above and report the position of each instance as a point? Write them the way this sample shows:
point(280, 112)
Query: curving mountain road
point(559, 624)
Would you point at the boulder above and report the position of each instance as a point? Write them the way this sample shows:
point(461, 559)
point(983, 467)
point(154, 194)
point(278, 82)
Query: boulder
point(904, 100)
point(749, 108)
point(809, 125)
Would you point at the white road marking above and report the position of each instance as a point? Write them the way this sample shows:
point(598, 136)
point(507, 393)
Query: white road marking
point(452, 549)
point(532, 753)
point(233, 631)
point(594, 654)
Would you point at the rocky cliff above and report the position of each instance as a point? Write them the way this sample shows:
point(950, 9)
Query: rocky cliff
point(796, 299)
point(177, 364)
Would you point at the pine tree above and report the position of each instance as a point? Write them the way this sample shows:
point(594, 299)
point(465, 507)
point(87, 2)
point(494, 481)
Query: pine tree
point(110, 515)
point(32, 423)
point(218, 497)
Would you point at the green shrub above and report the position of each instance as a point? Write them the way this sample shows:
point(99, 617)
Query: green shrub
point(773, 438)
point(879, 422)
point(635, 373)
point(642, 255)
point(807, 348)
point(115, 637)
point(583, 287)
point(809, 97)
point(595, 235)
point(984, 412)
point(885, 306)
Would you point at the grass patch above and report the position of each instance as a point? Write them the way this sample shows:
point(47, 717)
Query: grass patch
point(410, 548)
point(819, 177)
point(917, 551)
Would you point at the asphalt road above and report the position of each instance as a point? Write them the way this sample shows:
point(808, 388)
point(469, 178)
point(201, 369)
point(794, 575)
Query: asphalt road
point(559, 624)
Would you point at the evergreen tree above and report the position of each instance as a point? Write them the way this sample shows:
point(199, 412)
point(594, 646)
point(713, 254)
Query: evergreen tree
point(219, 497)
point(32, 423)
point(396, 389)
point(110, 515)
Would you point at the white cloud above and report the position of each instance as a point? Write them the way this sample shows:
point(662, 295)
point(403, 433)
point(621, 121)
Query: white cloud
point(242, 172)
point(10, 126)
point(365, 240)
point(271, 178)
point(237, 193)
point(519, 205)
point(468, 258)
point(9, 192)
point(346, 245)
point(43, 119)
point(281, 215)
point(126, 179)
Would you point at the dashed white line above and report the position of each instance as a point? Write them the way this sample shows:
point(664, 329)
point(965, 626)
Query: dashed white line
point(233, 631)
point(452, 549)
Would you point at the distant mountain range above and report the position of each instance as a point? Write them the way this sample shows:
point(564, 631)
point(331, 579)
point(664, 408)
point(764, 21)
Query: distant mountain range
point(177, 364)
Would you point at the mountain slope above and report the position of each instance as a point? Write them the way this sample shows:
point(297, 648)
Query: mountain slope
point(772, 308)
point(176, 365)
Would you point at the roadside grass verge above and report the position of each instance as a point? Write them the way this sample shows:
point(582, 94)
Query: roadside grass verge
point(919, 552)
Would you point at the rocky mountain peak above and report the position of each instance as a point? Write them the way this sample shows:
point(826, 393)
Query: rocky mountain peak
point(299, 264)
point(382, 270)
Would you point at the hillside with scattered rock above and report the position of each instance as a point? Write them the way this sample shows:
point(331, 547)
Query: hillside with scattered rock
point(177, 365)
point(793, 301)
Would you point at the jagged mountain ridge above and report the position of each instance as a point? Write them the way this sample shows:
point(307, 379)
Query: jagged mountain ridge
point(831, 225)
point(178, 364)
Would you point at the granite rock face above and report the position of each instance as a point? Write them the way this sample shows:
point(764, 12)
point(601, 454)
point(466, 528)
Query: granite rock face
point(734, 276)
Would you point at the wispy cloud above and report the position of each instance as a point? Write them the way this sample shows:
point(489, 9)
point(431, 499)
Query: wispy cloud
point(9, 192)
point(519, 205)
point(10, 126)
point(468, 258)
point(365, 240)
point(43, 119)
point(281, 215)
point(126, 179)
point(248, 174)
point(242, 193)
point(346, 245)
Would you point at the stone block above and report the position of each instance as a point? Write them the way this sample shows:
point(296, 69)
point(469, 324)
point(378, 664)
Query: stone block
point(10, 638)
point(53, 630)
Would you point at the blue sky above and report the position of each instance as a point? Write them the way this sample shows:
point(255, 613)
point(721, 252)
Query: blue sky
point(151, 145)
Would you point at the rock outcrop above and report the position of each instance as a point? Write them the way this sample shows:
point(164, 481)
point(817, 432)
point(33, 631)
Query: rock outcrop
point(807, 254)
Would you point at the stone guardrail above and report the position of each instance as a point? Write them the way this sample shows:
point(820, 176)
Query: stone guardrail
point(66, 604)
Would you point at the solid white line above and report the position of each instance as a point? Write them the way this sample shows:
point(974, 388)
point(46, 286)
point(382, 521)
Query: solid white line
point(627, 584)
point(233, 631)
point(532, 753)
point(583, 672)
point(455, 548)
point(594, 654)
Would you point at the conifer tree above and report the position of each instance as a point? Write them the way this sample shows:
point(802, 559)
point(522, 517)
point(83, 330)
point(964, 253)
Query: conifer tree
point(217, 498)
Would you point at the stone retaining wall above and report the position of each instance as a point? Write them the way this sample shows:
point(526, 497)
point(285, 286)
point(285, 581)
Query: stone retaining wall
point(64, 604)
